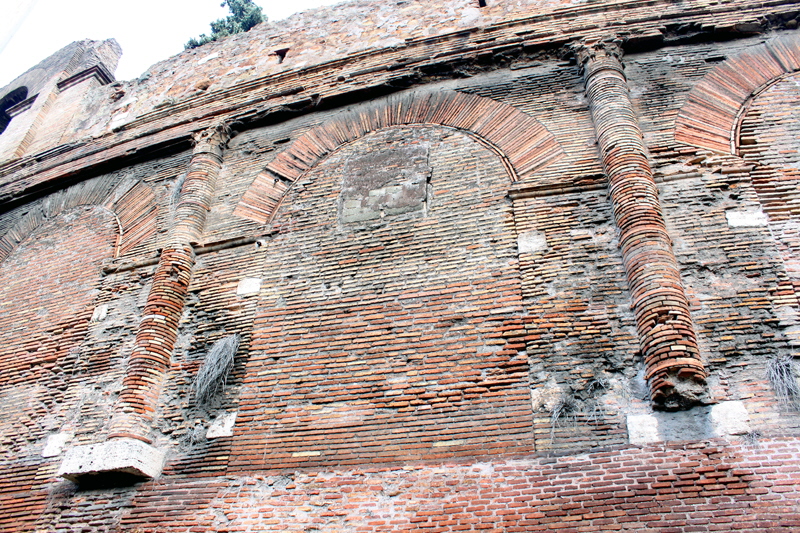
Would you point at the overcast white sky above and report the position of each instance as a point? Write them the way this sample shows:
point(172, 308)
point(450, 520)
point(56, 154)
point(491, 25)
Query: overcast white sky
point(147, 30)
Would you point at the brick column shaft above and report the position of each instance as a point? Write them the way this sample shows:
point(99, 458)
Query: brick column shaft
point(155, 338)
point(673, 368)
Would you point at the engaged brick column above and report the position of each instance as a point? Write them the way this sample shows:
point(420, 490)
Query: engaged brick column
point(158, 330)
point(127, 451)
point(672, 363)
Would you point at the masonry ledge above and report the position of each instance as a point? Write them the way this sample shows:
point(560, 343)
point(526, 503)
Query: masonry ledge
point(124, 460)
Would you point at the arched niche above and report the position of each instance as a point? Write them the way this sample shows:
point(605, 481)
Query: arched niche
point(714, 108)
point(47, 287)
point(520, 141)
point(373, 329)
point(7, 103)
point(132, 203)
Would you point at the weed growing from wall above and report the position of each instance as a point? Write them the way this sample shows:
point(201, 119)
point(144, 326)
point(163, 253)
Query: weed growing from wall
point(213, 374)
point(781, 374)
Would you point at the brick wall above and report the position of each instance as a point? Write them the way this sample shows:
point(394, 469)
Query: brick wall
point(682, 487)
point(430, 345)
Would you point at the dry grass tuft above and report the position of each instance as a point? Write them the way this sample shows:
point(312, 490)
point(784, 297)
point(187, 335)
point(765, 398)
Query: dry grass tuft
point(781, 373)
point(213, 374)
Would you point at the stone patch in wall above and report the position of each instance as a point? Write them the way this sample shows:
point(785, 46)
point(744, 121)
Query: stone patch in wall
point(721, 420)
point(750, 218)
point(222, 426)
point(55, 443)
point(100, 313)
point(530, 242)
point(385, 182)
point(248, 286)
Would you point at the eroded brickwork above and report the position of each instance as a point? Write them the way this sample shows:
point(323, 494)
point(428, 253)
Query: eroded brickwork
point(423, 231)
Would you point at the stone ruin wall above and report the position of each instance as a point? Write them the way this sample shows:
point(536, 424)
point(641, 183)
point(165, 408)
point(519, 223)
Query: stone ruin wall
point(413, 220)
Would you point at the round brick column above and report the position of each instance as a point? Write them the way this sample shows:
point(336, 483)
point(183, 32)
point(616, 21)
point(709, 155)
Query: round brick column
point(158, 330)
point(673, 368)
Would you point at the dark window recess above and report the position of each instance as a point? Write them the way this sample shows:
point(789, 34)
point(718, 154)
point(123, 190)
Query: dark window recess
point(281, 54)
point(481, 3)
point(9, 101)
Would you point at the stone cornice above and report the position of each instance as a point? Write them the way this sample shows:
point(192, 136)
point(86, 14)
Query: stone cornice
point(98, 72)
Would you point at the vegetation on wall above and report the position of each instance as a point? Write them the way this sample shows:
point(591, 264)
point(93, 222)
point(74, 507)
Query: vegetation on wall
point(213, 374)
point(244, 15)
point(781, 373)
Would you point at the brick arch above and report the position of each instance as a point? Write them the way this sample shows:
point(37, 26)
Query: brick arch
point(522, 142)
point(132, 204)
point(714, 108)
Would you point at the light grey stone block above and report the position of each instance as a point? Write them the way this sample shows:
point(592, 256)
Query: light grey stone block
point(746, 219)
point(55, 444)
point(530, 242)
point(121, 456)
point(730, 418)
point(248, 286)
point(643, 429)
point(222, 426)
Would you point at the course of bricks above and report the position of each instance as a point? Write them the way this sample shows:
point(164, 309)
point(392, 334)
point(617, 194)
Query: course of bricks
point(465, 248)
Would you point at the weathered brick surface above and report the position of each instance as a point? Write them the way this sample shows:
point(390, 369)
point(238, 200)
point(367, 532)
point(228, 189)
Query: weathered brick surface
point(652, 489)
point(392, 339)
point(433, 290)
point(673, 368)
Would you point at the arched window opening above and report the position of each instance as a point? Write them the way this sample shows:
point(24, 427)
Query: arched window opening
point(10, 100)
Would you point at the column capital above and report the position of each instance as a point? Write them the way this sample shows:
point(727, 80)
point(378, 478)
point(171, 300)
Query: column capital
point(212, 140)
point(606, 52)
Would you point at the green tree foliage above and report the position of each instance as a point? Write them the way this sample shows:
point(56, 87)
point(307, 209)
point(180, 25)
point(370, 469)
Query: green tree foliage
point(244, 15)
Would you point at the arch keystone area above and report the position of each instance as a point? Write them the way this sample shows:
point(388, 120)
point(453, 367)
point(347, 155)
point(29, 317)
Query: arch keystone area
point(523, 143)
point(710, 118)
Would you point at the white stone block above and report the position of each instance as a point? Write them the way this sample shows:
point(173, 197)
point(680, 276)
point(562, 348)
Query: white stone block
point(222, 426)
point(121, 456)
point(530, 242)
point(248, 286)
point(54, 444)
point(643, 429)
point(729, 418)
point(100, 313)
point(208, 58)
point(746, 219)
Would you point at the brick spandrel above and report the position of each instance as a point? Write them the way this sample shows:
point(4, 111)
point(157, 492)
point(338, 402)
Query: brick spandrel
point(448, 306)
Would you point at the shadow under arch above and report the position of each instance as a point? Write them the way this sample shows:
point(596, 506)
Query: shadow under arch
point(523, 144)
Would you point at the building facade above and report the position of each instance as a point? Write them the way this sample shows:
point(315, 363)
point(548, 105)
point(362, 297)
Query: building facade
point(409, 266)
